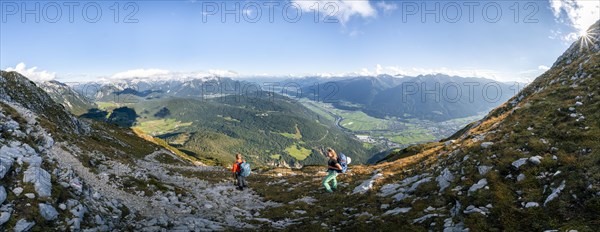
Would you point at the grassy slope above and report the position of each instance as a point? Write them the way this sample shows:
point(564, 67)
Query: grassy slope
point(258, 129)
point(540, 124)
point(160, 126)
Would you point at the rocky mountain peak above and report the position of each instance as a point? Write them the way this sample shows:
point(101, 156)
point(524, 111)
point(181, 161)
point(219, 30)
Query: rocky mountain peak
point(14, 87)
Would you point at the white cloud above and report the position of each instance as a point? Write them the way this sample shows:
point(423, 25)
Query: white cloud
point(161, 74)
point(579, 14)
point(343, 10)
point(543, 67)
point(387, 7)
point(140, 73)
point(32, 73)
point(223, 73)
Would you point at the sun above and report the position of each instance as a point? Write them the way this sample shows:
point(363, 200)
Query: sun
point(587, 39)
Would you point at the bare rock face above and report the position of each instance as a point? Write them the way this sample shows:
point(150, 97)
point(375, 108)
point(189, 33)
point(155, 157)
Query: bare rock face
point(18, 88)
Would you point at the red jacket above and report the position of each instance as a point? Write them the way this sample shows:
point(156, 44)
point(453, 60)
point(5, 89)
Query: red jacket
point(236, 166)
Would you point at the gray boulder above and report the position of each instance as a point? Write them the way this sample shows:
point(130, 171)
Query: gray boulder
point(6, 160)
point(518, 163)
point(444, 179)
point(480, 184)
point(10, 125)
point(17, 191)
point(2, 194)
point(11, 152)
point(532, 204)
point(79, 211)
point(417, 184)
point(555, 193)
point(484, 169)
point(521, 177)
point(486, 145)
point(23, 225)
point(75, 224)
point(535, 159)
point(48, 212)
point(33, 161)
point(4, 216)
point(456, 209)
point(48, 141)
point(397, 211)
point(40, 179)
point(472, 209)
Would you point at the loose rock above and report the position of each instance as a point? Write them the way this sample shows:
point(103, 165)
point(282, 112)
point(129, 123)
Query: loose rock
point(23, 225)
point(2, 194)
point(48, 212)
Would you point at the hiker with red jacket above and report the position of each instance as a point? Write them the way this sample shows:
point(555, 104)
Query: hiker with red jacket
point(237, 171)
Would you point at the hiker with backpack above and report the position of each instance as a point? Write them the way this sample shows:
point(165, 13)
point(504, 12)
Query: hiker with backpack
point(241, 169)
point(333, 168)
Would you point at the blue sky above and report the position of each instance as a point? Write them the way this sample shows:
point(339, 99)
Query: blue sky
point(365, 38)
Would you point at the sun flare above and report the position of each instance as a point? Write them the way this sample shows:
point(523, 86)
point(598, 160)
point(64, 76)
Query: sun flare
point(588, 38)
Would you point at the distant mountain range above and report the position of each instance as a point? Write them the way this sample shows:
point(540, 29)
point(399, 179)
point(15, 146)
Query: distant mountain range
point(125, 90)
point(213, 118)
point(209, 109)
point(436, 97)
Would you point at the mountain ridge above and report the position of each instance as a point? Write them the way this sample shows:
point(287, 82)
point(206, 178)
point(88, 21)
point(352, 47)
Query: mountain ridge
point(530, 164)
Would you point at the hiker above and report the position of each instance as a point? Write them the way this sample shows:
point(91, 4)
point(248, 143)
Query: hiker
point(333, 167)
point(237, 172)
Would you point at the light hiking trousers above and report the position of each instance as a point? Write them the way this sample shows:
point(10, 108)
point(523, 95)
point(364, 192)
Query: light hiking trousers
point(241, 181)
point(331, 177)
